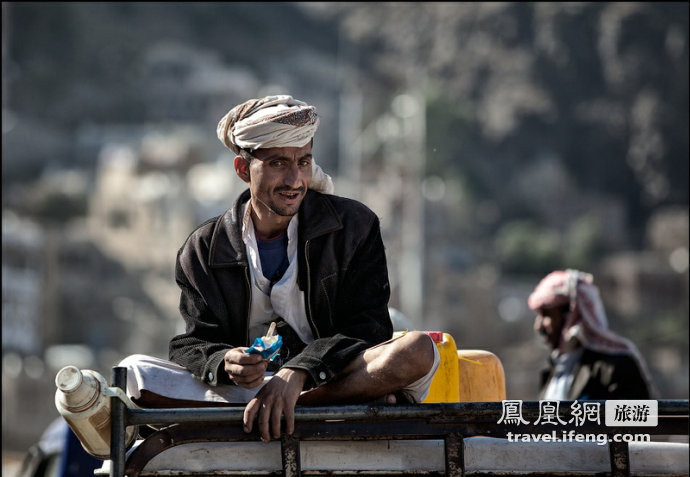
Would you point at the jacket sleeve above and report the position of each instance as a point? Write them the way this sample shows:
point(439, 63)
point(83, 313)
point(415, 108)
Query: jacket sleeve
point(350, 308)
point(202, 347)
point(626, 380)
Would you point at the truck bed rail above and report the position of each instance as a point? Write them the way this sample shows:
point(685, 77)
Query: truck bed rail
point(452, 423)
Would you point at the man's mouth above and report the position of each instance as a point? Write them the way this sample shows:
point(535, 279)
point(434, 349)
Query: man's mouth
point(290, 194)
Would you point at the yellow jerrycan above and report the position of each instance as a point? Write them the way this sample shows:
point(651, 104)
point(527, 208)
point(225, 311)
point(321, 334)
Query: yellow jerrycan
point(481, 376)
point(464, 375)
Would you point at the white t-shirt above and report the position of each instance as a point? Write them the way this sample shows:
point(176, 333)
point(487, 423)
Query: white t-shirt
point(564, 367)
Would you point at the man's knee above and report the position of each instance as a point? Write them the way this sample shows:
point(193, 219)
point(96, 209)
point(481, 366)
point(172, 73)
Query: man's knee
point(418, 350)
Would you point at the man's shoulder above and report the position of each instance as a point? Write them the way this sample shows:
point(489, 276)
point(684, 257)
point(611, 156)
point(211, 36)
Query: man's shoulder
point(219, 227)
point(204, 231)
point(214, 244)
point(344, 206)
point(612, 359)
point(198, 242)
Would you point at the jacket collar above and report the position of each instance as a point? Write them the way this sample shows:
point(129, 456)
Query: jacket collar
point(316, 217)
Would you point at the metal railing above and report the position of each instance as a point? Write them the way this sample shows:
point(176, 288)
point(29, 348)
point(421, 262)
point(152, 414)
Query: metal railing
point(449, 422)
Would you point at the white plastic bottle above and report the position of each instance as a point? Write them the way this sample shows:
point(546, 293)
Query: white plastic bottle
point(83, 400)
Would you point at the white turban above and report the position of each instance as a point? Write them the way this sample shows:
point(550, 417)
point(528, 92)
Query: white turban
point(273, 121)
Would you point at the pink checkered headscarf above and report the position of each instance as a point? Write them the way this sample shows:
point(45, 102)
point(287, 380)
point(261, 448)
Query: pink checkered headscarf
point(587, 320)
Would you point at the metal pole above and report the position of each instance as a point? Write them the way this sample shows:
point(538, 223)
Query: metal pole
point(117, 424)
point(620, 459)
point(292, 467)
point(455, 455)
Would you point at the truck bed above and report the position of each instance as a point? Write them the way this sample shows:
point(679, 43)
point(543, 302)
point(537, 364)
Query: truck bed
point(451, 439)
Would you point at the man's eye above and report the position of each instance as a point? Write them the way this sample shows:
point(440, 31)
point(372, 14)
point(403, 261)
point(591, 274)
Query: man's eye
point(305, 163)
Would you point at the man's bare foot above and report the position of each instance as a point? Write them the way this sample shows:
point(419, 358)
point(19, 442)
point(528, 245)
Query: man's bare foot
point(387, 399)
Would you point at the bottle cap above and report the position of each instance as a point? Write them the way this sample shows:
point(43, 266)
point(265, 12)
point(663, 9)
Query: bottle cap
point(77, 390)
point(68, 379)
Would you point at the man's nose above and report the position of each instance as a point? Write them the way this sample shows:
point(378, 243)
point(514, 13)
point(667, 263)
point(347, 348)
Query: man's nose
point(292, 175)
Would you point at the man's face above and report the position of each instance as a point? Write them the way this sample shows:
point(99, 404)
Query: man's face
point(278, 178)
point(549, 324)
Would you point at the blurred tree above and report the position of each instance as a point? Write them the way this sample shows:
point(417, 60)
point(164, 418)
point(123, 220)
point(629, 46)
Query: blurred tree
point(526, 247)
point(598, 83)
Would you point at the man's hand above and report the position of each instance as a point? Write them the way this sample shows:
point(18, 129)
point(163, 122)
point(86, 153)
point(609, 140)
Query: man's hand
point(278, 397)
point(245, 370)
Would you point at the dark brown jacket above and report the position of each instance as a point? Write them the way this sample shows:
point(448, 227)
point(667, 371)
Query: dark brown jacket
point(341, 269)
point(600, 376)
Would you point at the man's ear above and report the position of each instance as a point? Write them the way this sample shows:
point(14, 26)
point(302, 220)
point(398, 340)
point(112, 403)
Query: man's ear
point(242, 168)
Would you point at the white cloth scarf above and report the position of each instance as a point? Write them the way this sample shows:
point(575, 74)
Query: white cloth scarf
point(284, 299)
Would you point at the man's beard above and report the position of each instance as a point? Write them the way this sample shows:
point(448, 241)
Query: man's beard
point(288, 211)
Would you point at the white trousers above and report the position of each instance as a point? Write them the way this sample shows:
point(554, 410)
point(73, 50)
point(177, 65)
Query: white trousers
point(165, 382)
